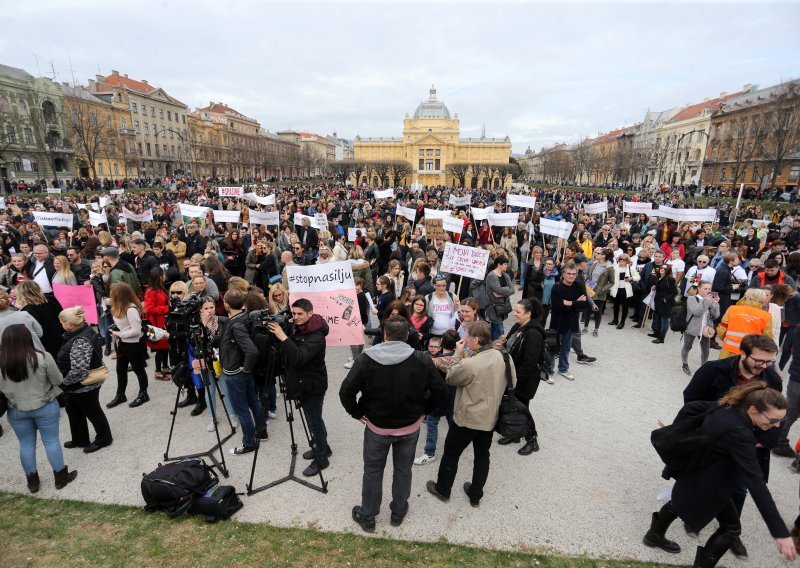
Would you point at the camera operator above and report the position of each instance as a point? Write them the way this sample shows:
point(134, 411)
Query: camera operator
point(307, 375)
point(238, 357)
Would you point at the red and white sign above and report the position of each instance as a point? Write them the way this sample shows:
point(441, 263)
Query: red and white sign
point(231, 191)
point(465, 261)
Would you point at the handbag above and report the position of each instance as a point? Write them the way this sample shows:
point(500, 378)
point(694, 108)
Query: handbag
point(512, 419)
point(95, 376)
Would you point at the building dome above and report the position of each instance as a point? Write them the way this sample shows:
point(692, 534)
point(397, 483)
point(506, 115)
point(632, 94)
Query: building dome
point(432, 108)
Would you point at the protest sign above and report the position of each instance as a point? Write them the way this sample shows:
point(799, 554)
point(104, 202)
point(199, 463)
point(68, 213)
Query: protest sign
point(437, 214)
point(504, 219)
point(230, 191)
point(117, 191)
point(560, 229)
point(699, 215)
point(481, 213)
point(408, 212)
point(460, 201)
point(384, 194)
point(351, 233)
point(321, 220)
point(465, 261)
point(596, 208)
point(222, 216)
point(104, 201)
point(298, 220)
point(453, 224)
point(637, 207)
point(434, 229)
point(53, 190)
point(71, 296)
point(264, 217)
point(53, 219)
point(2, 202)
point(97, 219)
point(525, 201)
point(193, 210)
point(268, 200)
point(332, 291)
point(138, 217)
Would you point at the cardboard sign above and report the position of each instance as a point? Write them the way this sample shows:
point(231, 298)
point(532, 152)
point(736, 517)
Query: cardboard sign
point(230, 191)
point(434, 228)
point(222, 216)
point(465, 261)
point(53, 219)
point(71, 296)
point(525, 201)
point(332, 291)
point(596, 208)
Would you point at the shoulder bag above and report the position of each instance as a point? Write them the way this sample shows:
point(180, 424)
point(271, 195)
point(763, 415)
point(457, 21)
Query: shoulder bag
point(95, 376)
point(512, 420)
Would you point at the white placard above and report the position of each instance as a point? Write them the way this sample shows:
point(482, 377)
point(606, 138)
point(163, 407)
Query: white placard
point(384, 194)
point(456, 201)
point(759, 223)
point(268, 200)
point(638, 207)
point(525, 201)
point(117, 191)
point(408, 212)
point(230, 191)
point(53, 219)
point(269, 218)
point(328, 277)
point(699, 215)
point(97, 219)
point(596, 208)
point(321, 220)
point(437, 214)
point(2, 202)
point(351, 233)
point(560, 229)
point(138, 217)
point(224, 216)
point(465, 261)
point(53, 190)
point(104, 201)
point(481, 213)
point(193, 210)
point(298, 220)
point(503, 219)
point(453, 224)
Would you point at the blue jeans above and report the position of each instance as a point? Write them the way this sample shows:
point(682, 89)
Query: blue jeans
point(497, 330)
point(565, 344)
point(245, 404)
point(523, 268)
point(25, 424)
point(661, 325)
point(212, 395)
point(432, 432)
point(312, 407)
point(103, 321)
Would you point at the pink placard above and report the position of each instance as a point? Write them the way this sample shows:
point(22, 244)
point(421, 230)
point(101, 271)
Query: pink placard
point(70, 296)
point(339, 309)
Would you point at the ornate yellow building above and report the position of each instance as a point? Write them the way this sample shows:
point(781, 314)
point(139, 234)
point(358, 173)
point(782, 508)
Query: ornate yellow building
point(431, 143)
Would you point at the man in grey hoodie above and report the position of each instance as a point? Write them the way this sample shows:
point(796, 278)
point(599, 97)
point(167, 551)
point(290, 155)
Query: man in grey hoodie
point(398, 387)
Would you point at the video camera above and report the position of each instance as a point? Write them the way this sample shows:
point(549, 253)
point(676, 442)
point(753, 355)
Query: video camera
point(262, 318)
point(183, 321)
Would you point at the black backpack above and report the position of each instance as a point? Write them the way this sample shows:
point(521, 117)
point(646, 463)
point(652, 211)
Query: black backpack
point(677, 318)
point(173, 487)
point(513, 418)
point(217, 504)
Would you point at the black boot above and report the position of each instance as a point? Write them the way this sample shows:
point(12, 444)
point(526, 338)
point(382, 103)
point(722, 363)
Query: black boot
point(140, 400)
point(191, 398)
point(704, 559)
point(33, 482)
point(64, 477)
point(505, 440)
point(531, 445)
point(658, 527)
point(107, 350)
point(117, 400)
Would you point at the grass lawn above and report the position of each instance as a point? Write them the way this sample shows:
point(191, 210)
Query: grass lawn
point(42, 532)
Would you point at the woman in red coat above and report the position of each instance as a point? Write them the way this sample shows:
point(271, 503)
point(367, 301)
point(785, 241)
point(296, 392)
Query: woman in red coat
point(156, 308)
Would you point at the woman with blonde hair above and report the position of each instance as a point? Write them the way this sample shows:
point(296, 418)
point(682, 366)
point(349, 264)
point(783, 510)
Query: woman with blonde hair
point(278, 298)
point(126, 309)
point(63, 274)
point(43, 309)
point(395, 274)
point(82, 353)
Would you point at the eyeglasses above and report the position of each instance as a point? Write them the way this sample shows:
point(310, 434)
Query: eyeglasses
point(177, 293)
point(762, 362)
point(773, 420)
point(702, 262)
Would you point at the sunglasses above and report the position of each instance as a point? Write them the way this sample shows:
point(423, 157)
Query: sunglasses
point(773, 420)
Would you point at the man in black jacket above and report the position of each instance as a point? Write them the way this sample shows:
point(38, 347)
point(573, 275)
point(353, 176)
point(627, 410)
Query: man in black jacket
point(195, 243)
point(714, 379)
point(41, 268)
point(307, 376)
point(398, 387)
point(568, 300)
point(238, 357)
point(81, 268)
point(145, 260)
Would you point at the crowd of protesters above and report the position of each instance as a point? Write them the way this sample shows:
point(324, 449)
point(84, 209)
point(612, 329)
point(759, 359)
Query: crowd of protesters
point(631, 269)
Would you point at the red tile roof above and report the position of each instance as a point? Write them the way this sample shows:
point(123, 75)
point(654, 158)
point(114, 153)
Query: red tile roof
point(614, 133)
point(117, 80)
point(695, 110)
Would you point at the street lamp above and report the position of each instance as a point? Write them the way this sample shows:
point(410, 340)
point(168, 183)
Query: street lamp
point(176, 133)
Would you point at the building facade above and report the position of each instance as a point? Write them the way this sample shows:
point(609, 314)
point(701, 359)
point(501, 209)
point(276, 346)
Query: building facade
point(33, 141)
point(159, 122)
point(431, 145)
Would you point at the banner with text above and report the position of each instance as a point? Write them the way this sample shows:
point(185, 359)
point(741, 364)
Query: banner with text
point(596, 208)
point(408, 212)
point(560, 229)
point(481, 213)
point(264, 217)
point(525, 201)
point(53, 219)
point(53, 190)
point(230, 191)
point(437, 214)
point(193, 211)
point(298, 220)
point(465, 261)
point(117, 192)
point(637, 207)
point(268, 200)
point(224, 216)
point(460, 201)
point(97, 219)
point(138, 217)
point(453, 224)
point(332, 291)
point(503, 219)
point(384, 194)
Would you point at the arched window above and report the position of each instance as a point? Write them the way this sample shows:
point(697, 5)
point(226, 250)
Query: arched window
point(4, 106)
point(23, 108)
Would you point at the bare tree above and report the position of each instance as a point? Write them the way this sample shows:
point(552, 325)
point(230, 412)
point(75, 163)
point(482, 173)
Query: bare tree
point(584, 156)
point(342, 170)
point(459, 172)
point(381, 171)
point(399, 170)
point(359, 168)
point(89, 133)
point(743, 142)
point(782, 124)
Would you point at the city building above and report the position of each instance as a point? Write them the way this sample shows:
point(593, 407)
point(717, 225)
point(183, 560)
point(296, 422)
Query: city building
point(434, 153)
point(159, 124)
point(316, 151)
point(613, 156)
point(33, 141)
point(343, 148)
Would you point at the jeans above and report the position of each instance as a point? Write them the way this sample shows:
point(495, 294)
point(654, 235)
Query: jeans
point(661, 325)
point(523, 268)
point(497, 330)
point(103, 321)
point(793, 410)
point(133, 353)
point(457, 440)
point(312, 406)
point(376, 449)
point(244, 401)
point(786, 346)
point(564, 344)
point(688, 341)
point(83, 406)
point(432, 432)
point(25, 424)
point(212, 395)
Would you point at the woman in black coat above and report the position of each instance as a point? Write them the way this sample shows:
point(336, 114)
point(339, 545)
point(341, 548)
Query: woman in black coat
point(735, 424)
point(534, 275)
point(666, 290)
point(525, 344)
point(45, 310)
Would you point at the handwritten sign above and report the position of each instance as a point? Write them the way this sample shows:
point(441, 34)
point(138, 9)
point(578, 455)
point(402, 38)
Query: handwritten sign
point(434, 228)
point(321, 220)
point(332, 291)
point(465, 261)
point(231, 191)
point(71, 296)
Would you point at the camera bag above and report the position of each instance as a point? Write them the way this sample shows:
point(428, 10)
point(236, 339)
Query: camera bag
point(217, 504)
point(173, 487)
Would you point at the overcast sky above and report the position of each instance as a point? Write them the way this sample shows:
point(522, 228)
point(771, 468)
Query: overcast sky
point(539, 73)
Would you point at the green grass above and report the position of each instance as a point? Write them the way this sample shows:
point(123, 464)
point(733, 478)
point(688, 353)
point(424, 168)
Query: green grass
point(41, 532)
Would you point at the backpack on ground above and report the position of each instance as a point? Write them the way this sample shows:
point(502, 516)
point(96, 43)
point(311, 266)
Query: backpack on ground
point(677, 318)
point(217, 504)
point(173, 487)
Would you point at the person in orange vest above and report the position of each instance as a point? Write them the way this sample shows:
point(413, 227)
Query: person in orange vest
point(772, 274)
point(746, 317)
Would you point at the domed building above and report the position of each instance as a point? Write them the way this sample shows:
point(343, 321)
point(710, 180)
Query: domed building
point(430, 143)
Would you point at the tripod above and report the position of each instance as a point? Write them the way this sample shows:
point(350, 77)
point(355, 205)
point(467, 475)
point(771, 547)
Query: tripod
point(199, 341)
point(289, 412)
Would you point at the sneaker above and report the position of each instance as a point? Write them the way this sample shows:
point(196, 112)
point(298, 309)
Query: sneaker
point(271, 415)
point(550, 380)
point(210, 427)
point(584, 330)
point(424, 459)
point(367, 525)
point(349, 363)
point(594, 333)
point(234, 421)
point(240, 450)
point(567, 375)
point(585, 359)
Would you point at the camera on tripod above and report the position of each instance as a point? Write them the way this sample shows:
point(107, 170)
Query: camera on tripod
point(260, 324)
